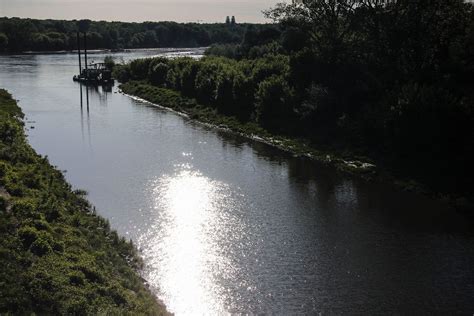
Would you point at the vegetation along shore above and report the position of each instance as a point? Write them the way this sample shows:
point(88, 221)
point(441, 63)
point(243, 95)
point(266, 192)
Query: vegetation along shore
point(372, 84)
point(20, 35)
point(57, 255)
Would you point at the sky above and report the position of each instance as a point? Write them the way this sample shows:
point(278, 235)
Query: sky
point(139, 10)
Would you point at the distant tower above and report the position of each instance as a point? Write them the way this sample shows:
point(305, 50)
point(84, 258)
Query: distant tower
point(227, 20)
point(232, 20)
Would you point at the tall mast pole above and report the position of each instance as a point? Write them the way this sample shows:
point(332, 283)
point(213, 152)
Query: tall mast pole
point(79, 51)
point(85, 48)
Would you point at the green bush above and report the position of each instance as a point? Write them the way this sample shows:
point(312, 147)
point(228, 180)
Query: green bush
point(25, 209)
point(109, 63)
point(122, 73)
point(3, 42)
point(273, 105)
point(224, 99)
point(28, 235)
point(9, 131)
point(139, 68)
point(40, 246)
point(3, 204)
point(206, 82)
point(158, 73)
point(76, 278)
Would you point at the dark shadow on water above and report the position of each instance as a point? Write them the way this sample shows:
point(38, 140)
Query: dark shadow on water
point(377, 201)
point(87, 111)
point(355, 199)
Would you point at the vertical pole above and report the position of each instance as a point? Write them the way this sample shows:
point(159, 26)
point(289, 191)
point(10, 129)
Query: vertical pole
point(79, 52)
point(85, 48)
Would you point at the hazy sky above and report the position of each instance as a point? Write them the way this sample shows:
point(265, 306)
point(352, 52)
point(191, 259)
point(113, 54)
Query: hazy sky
point(139, 10)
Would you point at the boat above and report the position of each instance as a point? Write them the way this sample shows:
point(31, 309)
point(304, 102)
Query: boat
point(95, 73)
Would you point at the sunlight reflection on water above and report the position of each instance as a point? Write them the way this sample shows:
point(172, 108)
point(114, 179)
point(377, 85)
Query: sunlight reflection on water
point(182, 247)
point(243, 228)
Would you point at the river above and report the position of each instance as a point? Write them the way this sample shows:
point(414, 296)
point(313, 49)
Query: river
point(229, 225)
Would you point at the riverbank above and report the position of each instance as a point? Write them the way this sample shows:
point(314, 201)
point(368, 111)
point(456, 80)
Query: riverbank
point(355, 165)
point(57, 255)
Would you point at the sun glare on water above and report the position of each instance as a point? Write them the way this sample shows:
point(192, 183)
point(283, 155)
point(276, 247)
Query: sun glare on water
point(182, 246)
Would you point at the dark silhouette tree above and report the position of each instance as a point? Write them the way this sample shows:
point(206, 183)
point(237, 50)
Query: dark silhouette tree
point(3, 42)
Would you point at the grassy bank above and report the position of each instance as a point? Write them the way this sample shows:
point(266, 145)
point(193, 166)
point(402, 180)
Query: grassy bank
point(346, 162)
point(56, 255)
point(176, 101)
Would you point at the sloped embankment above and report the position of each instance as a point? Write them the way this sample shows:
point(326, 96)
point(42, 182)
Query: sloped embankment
point(56, 255)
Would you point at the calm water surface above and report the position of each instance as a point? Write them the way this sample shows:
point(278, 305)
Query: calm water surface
point(227, 225)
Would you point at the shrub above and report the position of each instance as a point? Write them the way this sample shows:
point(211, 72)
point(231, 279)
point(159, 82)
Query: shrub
point(188, 73)
point(243, 91)
point(206, 82)
point(40, 247)
point(3, 169)
point(9, 131)
point(224, 91)
point(122, 73)
point(109, 63)
point(77, 306)
point(28, 235)
point(158, 73)
point(41, 225)
point(3, 204)
point(76, 278)
point(139, 68)
point(273, 106)
point(25, 209)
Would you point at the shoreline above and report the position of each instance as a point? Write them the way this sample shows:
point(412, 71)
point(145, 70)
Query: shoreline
point(352, 165)
point(356, 166)
point(102, 51)
point(58, 255)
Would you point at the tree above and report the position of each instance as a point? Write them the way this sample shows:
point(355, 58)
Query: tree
point(3, 42)
point(109, 62)
point(150, 40)
point(158, 71)
point(330, 24)
point(274, 106)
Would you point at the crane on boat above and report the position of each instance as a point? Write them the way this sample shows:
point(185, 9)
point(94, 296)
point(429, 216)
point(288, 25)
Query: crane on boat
point(94, 73)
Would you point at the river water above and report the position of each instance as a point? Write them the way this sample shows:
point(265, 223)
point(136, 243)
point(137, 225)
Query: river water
point(229, 225)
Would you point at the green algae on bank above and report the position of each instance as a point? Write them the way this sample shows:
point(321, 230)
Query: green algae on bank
point(57, 255)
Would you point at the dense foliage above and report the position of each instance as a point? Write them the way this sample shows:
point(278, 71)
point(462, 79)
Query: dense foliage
point(56, 256)
point(52, 35)
point(389, 81)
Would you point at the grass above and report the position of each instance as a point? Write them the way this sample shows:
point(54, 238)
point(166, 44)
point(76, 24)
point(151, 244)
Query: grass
point(58, 256)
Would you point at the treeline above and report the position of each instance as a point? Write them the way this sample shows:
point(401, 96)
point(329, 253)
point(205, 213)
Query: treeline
point(18, 35)
point(393, 82)
point(57, 256)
